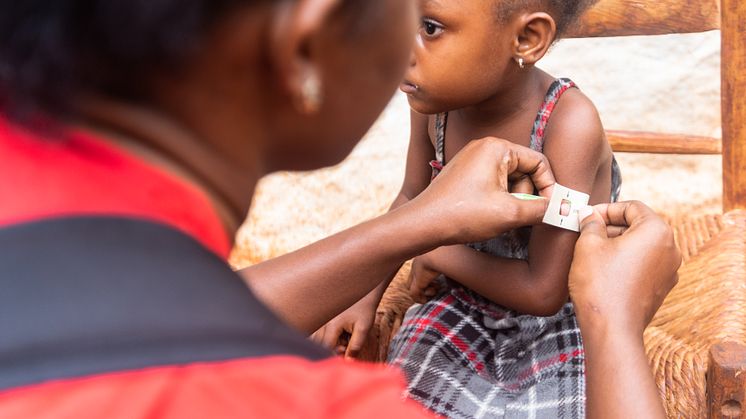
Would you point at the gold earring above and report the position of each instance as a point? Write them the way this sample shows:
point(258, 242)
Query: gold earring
point(521, 62)
point(311, 95)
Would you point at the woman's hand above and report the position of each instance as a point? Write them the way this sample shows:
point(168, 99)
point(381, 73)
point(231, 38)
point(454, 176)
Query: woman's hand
point(471, 195)
point(625, 264)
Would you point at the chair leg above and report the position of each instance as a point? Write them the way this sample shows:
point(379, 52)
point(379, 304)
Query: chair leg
point(726, 381)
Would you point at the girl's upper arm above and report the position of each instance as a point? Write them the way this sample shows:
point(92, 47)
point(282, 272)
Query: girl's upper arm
point(575, 146)
point(420, 153)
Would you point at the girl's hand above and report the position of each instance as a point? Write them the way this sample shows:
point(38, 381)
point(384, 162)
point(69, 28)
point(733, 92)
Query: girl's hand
point(347, 333)
point(470, 198)
point(422, 278)
point(625, 264)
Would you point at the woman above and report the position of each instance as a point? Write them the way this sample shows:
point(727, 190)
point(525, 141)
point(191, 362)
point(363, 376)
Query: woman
point(133, 135)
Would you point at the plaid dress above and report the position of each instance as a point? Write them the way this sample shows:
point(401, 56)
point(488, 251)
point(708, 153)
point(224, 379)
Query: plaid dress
point(467, 357)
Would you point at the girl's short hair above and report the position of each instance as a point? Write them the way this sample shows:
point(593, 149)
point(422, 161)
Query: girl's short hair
point(564, 12)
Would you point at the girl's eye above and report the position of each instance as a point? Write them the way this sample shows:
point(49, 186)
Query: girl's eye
point(431, 28)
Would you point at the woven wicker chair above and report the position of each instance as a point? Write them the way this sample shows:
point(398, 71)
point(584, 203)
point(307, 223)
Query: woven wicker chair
point(697, 341)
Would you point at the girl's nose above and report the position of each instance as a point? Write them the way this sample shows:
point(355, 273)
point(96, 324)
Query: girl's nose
point(417, 46)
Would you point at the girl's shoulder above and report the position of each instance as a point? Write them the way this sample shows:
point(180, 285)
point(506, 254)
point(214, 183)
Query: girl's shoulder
point(575, 119)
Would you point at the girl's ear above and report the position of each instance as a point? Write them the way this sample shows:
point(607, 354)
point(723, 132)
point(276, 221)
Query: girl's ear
point(536, 34)
point(294, 26)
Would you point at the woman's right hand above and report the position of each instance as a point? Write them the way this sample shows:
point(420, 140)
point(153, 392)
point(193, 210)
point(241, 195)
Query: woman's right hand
point(625, 264)
point(470, 199)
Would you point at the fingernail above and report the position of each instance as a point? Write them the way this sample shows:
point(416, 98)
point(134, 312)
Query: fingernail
point(585, 212)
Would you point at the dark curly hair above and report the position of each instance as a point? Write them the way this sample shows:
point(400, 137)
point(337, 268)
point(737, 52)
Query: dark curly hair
point(564, 12)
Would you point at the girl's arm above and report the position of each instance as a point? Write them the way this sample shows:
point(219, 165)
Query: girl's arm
point(575, 145)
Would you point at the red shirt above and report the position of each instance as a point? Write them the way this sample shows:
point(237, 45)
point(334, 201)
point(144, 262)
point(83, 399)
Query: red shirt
point(283, 387)
point(78, 174)
point(44, 177)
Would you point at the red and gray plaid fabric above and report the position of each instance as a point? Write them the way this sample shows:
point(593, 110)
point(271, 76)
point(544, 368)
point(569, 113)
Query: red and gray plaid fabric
point(466, 357)
point(463, 363)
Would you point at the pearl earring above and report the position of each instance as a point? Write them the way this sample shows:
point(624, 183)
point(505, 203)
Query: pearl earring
point(521, 63)
point(311, 95)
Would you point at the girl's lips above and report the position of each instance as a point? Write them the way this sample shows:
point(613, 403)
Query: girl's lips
point(408, 88)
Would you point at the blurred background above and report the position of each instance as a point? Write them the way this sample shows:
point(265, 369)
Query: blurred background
point(665, 83)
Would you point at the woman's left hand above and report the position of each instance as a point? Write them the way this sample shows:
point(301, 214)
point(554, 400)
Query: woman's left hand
point(471, 195)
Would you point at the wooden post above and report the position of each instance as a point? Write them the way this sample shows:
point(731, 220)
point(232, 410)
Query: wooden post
point(726, 381)
point(734, 103)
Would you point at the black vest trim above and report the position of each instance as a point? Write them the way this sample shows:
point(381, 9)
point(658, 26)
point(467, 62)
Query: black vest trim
point(90, 295)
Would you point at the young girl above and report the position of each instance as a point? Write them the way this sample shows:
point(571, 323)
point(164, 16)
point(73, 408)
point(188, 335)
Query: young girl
point(501, 339)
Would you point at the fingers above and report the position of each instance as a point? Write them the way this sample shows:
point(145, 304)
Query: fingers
point(412, 277)
point(527, 213)
point(357, 341)
point(523, 185)
point(615, 231)
point(524, 161)
point(318, 335)
point(624, 213)
point(416, 292)
point(592, 223)
point(430, 291)
point(332, 332)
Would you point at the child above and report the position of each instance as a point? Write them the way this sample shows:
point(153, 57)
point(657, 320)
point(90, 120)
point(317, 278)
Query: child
point(501, 339)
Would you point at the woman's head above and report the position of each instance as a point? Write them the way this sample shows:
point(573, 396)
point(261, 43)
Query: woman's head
point(231, 70)
point(468, 51)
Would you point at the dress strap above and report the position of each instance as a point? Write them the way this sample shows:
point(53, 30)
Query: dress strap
point(554, 93)
point(441, 121)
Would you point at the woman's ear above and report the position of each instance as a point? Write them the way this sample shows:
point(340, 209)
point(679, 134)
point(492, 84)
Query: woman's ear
point(535, 35)
point(294, 26)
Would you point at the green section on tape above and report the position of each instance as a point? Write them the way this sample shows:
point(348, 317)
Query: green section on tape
point(526, 197)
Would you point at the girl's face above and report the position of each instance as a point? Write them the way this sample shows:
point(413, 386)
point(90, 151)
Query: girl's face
point(461, 56)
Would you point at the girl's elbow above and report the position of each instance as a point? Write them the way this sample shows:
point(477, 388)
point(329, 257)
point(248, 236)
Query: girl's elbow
point(549, 301)
point(547, 309)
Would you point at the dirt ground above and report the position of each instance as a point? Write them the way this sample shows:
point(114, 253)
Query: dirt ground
point(665, 84)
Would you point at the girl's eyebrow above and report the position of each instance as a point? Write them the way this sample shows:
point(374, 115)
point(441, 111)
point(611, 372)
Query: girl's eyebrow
point(432, 4)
